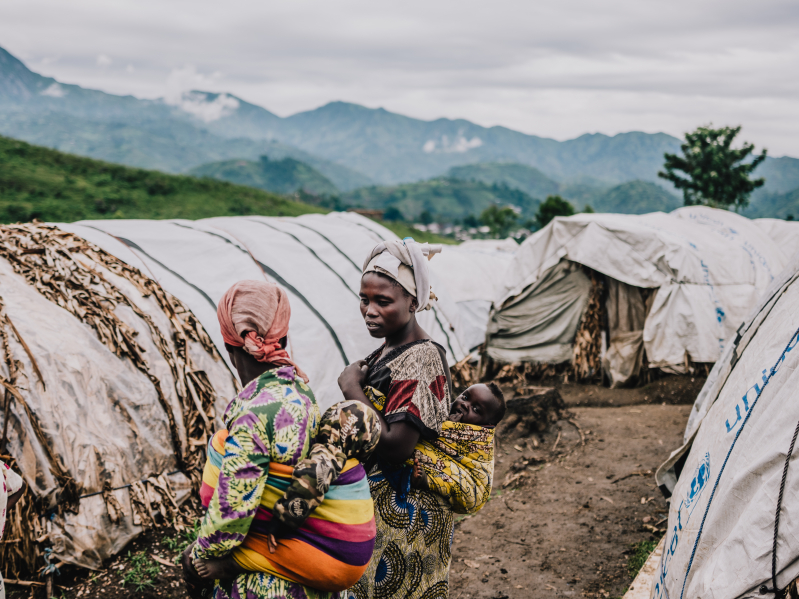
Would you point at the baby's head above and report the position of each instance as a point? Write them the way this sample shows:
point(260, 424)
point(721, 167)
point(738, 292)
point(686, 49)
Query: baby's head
point(481, 405)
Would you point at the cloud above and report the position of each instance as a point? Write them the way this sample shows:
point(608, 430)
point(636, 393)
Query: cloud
point(205, 107)
point(103, 60)
point(54, 91)
point(187, 78)
point(554, 69)
point(459, 145)
point(184, 89)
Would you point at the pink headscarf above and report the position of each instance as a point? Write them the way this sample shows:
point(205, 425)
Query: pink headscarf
point(255, 315)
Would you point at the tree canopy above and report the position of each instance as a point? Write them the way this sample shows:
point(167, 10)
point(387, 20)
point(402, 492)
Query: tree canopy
point(714, 173)
point(501, 220)
point(550, 208)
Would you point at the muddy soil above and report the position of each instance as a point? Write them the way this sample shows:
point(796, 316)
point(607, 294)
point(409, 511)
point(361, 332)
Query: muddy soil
point(671, 389)
point(563, 526)
point(567, 527)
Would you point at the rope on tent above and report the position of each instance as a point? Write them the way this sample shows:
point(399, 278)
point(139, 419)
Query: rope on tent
point(774, 589)
point(268, 272)
point(313, 253)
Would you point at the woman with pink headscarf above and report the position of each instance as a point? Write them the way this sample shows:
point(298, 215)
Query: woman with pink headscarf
point(270, 426)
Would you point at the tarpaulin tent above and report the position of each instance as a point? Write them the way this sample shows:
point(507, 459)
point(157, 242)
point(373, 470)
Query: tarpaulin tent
point(705, 268)
point(316, 258)
point(108, 381)
point(784, 233)
point(735, 474)
point(472, 274)
point(119, 317)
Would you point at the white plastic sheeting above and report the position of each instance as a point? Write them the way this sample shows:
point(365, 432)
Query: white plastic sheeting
point(317, 259)
point(540, 322)
point(471, 275)
point(723, 505)
point(709, 267)
point(782, 232)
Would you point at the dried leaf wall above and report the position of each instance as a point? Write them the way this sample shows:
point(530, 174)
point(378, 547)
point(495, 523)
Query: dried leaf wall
point(118, 303)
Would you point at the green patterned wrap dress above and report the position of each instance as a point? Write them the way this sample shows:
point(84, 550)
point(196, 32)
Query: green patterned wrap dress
point(274, 418)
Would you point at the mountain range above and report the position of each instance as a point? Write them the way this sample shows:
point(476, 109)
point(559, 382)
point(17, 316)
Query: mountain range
point(350, 146)
point(363, 145)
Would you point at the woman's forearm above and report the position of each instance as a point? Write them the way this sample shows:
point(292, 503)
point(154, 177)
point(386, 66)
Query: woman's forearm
point(397, 440)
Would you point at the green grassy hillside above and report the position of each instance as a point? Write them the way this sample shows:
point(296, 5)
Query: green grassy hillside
point(445, 199)
point(278, 176)
point(777, 205)
point(636, 197)
point(37, 182)
point(517, 176)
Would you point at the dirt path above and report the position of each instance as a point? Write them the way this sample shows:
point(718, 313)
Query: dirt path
point(564, 530)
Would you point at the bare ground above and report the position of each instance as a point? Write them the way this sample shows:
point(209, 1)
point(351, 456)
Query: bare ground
point(564, 527)
point(567, 527)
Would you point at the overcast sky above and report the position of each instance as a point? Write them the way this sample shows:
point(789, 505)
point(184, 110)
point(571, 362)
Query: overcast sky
point(556, 69)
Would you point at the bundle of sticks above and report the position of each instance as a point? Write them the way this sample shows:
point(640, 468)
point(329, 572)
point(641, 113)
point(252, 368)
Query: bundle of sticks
point(587, 352)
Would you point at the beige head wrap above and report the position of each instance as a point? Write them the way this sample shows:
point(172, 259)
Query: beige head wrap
point(406, 262)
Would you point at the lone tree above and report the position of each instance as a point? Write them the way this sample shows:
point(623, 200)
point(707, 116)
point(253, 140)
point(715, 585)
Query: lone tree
point(714, 173)
point(500, 220)
point(551, 207)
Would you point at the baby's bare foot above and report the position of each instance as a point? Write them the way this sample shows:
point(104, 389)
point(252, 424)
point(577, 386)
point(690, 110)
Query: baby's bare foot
point(217, 569)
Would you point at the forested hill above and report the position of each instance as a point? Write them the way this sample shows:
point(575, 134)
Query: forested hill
point(37, 182)
point(632, 197)
point(284, 176)
point(444, 199)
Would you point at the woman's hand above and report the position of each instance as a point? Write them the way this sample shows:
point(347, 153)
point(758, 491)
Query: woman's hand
point(271, 542)
point(418, 477)
point(353, 377)
point(13, 499)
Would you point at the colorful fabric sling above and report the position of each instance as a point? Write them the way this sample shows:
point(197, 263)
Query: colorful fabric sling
point(459, 464)
point(330, 551)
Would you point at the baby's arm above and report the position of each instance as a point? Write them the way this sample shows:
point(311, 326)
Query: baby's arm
point(348, 430)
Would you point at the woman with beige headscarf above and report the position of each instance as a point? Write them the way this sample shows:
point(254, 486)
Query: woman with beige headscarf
point(406, 381)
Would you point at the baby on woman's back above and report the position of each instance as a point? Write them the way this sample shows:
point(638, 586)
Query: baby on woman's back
point(459, 464)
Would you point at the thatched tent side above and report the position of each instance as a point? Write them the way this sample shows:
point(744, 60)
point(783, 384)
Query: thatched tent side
point(111, 388)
